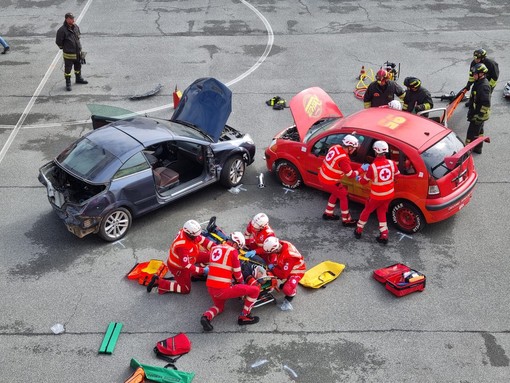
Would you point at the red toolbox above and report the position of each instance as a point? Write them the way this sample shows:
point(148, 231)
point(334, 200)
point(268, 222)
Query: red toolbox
point(401, 279)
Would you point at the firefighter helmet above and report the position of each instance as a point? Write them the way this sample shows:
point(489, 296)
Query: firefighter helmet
point(381, 75)
point(479, 68)
point(192, 228)
point(480, 54)
point(395, 104)
point(271, 244)
point(238, 238)
point(412, 82)
point(380, 147)
point(260, 221)
point(350, 140)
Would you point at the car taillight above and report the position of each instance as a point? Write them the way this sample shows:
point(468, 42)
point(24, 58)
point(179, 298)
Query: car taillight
point(433, 191)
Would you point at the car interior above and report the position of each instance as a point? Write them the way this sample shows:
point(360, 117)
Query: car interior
point(175, 162)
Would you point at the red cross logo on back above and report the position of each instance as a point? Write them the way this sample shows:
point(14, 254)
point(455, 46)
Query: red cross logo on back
point(384, 174)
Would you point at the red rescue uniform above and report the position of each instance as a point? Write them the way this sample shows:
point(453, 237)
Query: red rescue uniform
point(224, 265)
point(289, 267)
point(183, 256)
point(255, 238)
point(335, 166)
point(382, 173)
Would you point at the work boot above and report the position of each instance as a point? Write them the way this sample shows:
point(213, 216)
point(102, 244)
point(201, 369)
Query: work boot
point(477, 150)
point(330, 217)
point(357, 233)
point(206, 323)
point(247, 319)
point(6, 49)
point(80, 80)
point(68, 84)
point(350, 222)
point(382, 239)
point(153, 283)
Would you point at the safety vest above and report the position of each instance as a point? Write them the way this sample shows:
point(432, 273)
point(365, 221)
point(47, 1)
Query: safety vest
point(330, 172)
point(288, 256)
point(221, 268)
point(383, 181)
point(257, 238)
point(191, 248)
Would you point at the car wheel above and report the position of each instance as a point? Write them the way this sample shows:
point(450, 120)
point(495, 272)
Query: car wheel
point(115, 224)
point(288, 175)
point(406, 216)
point(233, 171)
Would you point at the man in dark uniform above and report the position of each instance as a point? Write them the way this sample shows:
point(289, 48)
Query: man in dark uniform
point(417, 98)
point(68, 39)
point(479, 105)
point(492, 75)
point(381, 91)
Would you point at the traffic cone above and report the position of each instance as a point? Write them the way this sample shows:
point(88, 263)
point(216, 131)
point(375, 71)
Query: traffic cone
point(177, 97)
point(362, 73)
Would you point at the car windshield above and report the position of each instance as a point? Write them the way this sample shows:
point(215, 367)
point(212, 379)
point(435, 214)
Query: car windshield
point(319, 127)
point(185, 130)
point(434, 156)
point(85, 159)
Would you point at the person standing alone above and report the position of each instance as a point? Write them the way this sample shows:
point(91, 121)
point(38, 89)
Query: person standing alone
point(68, 39)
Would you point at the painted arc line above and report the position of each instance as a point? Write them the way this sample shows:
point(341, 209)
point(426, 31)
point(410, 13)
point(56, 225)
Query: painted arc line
point(28, 108)
point(36, 94)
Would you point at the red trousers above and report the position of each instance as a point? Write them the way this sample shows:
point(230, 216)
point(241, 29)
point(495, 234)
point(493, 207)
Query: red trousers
point(182, 282)
point(338, 192)
point(220, 296)
point(381, 207)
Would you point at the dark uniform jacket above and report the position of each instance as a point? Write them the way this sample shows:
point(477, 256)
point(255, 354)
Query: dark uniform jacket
point(480, 101)
point(417, 101)
point(377, 95)
point(492, 75)
point(68, 39)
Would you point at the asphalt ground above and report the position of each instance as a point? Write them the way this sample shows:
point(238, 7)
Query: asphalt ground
point(457, 330)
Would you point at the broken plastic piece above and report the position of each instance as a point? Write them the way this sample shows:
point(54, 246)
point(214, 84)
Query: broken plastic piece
point(236, 189)
point(291, 372)
point(286, 305)
point(259, 363)
point(58, 328)
point(261, 181)
point(151, 92)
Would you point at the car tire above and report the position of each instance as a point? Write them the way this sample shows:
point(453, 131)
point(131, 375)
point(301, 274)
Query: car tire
point(115, 224)
point(233, 171)
point(406, 217)
point(288, 175)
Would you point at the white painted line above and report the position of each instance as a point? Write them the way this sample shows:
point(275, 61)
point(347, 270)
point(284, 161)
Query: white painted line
point(36, 94)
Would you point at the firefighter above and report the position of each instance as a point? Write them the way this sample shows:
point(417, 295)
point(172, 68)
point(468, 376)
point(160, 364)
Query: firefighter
point(492, 75)
point(479, 105)
point(335, 166)
point(417, 98)
point(381, 91)
point(382, 173)
point(189, 249)
point(287, 264)
point(224, 266)
point(257, 231)
point(68, 39)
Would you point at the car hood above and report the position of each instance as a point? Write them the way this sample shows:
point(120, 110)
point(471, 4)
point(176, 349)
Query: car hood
point(205, 104)
point(312, 105)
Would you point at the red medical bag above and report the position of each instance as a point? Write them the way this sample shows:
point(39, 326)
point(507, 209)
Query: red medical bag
point(400, 279)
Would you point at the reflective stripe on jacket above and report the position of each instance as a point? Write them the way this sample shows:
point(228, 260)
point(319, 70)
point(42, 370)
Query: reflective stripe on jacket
point(223, 266)
point(382, 174)
point(331, 171)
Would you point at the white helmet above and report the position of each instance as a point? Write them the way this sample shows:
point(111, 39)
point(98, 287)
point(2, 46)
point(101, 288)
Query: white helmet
point(260, 221)
point(192, 228)
point(395, 104)
point(238, 237)
point(350, 140)
point(271, 244)
point(380, 147)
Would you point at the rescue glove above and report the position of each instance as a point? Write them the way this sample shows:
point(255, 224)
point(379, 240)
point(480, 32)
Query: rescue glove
point(468, 86)
point(250, 254)
point(365, 167)
point(358, 178)
point(419, 108)
point(82, 57)
point(270, 266)
point(206, 271)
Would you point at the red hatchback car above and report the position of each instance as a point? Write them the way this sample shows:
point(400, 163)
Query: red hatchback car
point(438, 172)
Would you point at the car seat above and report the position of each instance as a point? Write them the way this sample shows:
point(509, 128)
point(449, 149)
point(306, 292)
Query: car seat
point(165, 178)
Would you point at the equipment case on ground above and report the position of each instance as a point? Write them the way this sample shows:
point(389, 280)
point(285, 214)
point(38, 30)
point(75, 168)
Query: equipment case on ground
point(393, 278)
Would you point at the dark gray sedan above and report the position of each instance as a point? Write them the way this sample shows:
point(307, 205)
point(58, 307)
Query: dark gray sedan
point(133, 165)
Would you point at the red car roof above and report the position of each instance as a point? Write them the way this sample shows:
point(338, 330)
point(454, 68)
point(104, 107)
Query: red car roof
point(414, 130)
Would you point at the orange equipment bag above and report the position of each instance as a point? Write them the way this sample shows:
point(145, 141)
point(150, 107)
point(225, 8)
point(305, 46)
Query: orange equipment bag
point(144, 271)
point(137, 377)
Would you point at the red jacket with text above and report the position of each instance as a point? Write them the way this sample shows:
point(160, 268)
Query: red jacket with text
point(382, 173)
point(287, 262)
point(335, 166)
point(223, 266)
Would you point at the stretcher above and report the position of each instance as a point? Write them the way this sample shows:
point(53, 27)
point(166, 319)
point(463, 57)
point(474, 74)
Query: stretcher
point(254, 266)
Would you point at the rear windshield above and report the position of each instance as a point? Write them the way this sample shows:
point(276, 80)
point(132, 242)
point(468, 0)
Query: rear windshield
point(434, 156)
point(86, 159)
